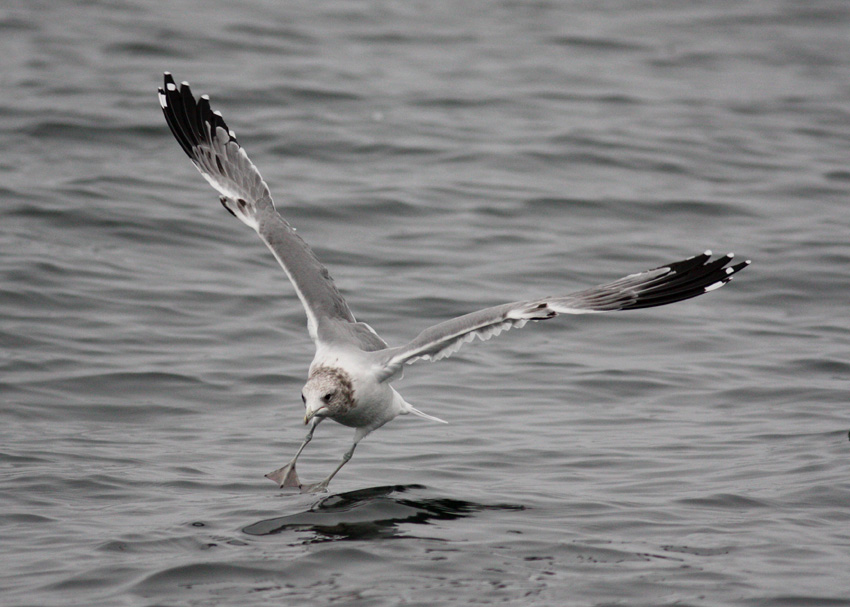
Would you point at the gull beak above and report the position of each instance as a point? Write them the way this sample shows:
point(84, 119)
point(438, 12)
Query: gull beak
point(317, 413)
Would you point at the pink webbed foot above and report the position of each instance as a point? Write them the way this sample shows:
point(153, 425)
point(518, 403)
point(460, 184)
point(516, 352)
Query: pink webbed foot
point(285, 477)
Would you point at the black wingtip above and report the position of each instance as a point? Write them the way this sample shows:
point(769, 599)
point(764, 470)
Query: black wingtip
point(686, 279)
point(172, 107)
point(191, 120)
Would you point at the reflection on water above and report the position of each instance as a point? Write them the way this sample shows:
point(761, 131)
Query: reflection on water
point(372, 513)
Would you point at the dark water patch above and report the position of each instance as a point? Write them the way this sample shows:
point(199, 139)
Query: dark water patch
point(136, 48)
point(828, 366)
point(596, 98)
point(598, 554)
point(412, 37)
point(696, 551)
point(699, 208)
point(382, 150)
point(17, 340)
point(126, 384)
point(839, 599)
point(801, 435)
point(838, 175)
point(727, 501)
point(370, 514)
point(598, 44)
point(16, 459)
point(702, 60)
point(456, 102)
point(24, 518)
point(16, 24)
point(57, 404)
point(19, 195)
point(79, 129)
point(345, 152)
point(557, 203)
point(63, 216)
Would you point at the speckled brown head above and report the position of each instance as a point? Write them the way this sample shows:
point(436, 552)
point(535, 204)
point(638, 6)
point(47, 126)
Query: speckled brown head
point(327, 393)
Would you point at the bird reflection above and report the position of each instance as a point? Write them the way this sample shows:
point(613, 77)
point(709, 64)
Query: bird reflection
point(369, 514)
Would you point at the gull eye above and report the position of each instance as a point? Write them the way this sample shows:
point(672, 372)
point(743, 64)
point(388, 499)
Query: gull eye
point(327, 397)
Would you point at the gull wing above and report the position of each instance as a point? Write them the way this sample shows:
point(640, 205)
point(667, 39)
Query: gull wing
point(657, 287)
point(214, 150)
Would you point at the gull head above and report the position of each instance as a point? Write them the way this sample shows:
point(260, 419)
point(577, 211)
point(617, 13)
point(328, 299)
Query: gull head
point(327, 393)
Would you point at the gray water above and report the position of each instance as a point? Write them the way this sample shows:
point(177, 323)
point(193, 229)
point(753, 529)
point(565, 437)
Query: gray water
point(439, 157)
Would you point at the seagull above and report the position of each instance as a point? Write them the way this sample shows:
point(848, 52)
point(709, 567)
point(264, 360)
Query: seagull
point(349, 378)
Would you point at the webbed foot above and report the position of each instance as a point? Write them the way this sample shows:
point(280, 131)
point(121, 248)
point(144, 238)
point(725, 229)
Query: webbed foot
point(285, 477)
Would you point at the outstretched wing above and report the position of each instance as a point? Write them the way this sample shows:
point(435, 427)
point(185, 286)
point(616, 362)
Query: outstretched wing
point(658, 287)
point(213, 149)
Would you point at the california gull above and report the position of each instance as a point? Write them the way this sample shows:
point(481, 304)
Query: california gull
point(349, 378)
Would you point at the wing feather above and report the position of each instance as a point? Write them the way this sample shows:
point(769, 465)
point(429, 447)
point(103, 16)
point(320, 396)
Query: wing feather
point(213, 149)
point(657, 287)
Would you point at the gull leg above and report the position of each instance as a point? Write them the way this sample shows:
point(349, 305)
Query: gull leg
point(323, 485)
point(286, 476)
point(359, 434)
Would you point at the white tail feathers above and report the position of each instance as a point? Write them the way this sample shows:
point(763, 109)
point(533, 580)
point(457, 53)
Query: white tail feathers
point(415, 411)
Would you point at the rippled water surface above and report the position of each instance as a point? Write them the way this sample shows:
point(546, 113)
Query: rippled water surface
point(439, 156)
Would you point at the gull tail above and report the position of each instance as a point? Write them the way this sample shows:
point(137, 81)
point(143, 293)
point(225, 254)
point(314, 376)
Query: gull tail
point(402, 407)
point(419, 413)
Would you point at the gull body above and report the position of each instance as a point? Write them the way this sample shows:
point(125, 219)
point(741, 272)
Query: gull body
point(349, 378)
